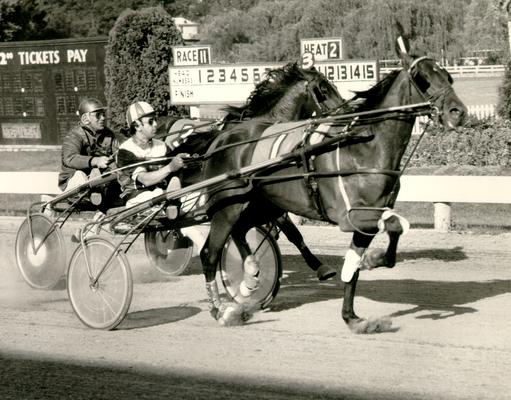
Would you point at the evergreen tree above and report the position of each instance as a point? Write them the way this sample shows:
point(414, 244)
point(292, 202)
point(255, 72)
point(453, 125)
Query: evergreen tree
point(137, 58)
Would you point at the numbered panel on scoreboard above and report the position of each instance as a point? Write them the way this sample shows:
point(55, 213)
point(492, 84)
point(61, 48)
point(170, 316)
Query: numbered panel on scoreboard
point(233, 83)
point(215, 84)
point(350, 75)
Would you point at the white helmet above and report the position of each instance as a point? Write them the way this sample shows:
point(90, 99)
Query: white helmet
point(138, 110)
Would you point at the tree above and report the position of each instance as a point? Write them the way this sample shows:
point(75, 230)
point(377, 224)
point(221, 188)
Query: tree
point(23, 20)
point(485, 27)
point(137, 58)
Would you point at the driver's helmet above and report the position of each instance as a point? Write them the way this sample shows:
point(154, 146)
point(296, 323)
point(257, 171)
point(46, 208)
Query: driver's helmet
point(138, 110)
point(90, 105)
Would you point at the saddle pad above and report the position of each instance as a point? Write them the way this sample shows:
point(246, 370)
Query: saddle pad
point(282, 138)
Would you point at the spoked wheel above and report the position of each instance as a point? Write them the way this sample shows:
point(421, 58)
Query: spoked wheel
point(268, 253)
point(42, 262)
point(102, 304)
point(169, 251)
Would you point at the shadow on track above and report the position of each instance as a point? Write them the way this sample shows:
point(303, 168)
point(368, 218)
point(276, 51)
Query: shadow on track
point(79, 381)
point(443, 298)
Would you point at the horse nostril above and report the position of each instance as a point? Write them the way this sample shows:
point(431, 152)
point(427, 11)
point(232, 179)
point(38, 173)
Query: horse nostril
point(456, 113)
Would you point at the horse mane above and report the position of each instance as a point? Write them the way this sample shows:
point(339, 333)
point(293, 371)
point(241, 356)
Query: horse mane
point(266, 93)
point(367, 99)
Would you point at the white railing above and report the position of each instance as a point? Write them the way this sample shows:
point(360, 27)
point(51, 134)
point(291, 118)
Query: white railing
point(477, 70)
point(440, 190)
point(480, 111)
point(466, 70)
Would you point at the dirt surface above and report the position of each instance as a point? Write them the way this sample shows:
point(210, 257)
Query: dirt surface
point(449, 299)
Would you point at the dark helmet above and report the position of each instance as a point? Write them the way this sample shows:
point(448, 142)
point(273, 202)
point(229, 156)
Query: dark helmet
point(90, 105)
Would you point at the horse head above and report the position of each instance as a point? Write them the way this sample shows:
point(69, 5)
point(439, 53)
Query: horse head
point(434, 84)
point(289, 93)
point(322, 94)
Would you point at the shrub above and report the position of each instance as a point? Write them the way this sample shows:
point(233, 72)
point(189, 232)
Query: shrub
point(137, 57)
point(479, 143)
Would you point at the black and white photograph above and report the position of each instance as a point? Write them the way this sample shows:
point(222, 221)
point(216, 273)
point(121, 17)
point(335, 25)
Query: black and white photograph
point(255, 199)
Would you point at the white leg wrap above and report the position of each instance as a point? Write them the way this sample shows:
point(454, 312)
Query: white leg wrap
point(391, 213)
point(251, 265)
point(250, 281)
point(214, 296)
point(350, 266)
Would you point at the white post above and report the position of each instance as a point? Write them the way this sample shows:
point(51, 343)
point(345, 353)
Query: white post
point(442, 217)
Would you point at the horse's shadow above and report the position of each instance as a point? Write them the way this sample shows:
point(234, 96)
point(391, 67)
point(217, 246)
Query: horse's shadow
point(440, 299)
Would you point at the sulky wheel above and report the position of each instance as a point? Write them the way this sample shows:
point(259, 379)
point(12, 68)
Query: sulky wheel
point(42, 262)
point(169, 251)
point(268, 253)
point(105, 303)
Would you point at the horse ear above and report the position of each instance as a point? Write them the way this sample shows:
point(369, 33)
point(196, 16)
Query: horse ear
point(403, 50)
point(402, 45)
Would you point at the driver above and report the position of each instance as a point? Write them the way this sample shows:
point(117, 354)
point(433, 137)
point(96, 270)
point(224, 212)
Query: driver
point(88, 148)
point(143, 182)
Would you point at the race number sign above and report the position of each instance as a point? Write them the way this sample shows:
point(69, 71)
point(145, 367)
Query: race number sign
point(215, 84)
point(191, 55)
point(350, 75)
point(324, 49)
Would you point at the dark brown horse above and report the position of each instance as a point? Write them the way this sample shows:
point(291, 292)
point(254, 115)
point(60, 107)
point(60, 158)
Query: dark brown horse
point(356, 185)
point(289, 93)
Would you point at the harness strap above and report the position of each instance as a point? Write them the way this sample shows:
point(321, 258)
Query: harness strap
point(311, 184)
point(342, 188)
point(313, 189)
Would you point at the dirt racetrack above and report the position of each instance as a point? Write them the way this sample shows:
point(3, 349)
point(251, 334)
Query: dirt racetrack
point(449, 298)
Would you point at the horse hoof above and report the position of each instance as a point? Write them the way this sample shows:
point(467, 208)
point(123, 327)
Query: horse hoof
point(232, 315)
point(371, 325)
point(326, 272)
point(372, 259)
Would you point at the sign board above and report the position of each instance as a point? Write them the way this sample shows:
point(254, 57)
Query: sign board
point(191, 55)
point(69, 54)
point(215, 84)
point(21, 130)
point(350, 75)
point(233, 83)
point(323, 49)
point(41, 84)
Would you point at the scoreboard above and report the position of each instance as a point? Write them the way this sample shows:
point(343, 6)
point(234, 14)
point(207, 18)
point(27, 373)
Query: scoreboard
point(41, 85)
point(233, 83)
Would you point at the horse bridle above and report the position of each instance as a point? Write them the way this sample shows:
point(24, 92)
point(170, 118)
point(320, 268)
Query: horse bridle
point(317, 94)
point(419, 82)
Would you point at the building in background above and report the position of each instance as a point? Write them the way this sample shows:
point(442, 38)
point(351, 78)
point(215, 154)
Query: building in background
point(189, 30)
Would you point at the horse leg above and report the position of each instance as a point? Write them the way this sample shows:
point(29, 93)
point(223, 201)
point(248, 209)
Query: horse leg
point(250, 282)
point(292, 233)
point(349, 275)
point(222, 223)
point(395, 226)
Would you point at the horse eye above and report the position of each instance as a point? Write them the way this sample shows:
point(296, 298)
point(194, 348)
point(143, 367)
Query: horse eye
point(422, 83)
